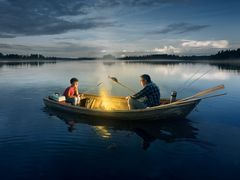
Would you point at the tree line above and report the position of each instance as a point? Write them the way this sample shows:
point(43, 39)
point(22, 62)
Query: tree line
point(221, 55)
point(38, 57)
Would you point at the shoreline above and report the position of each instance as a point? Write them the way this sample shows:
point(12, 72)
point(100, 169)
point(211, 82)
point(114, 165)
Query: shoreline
point(226, 61)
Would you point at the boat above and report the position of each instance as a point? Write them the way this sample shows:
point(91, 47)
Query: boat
point(116, 108)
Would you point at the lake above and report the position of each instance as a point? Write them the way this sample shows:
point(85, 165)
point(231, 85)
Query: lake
point(37, 143)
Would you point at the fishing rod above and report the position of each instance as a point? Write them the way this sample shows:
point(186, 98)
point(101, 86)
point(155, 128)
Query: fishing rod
point(200, 77)
point(189, 84)
point(189, 79)
point(173, 96)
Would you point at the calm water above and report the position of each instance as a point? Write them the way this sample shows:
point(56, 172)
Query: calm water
point(36, 143)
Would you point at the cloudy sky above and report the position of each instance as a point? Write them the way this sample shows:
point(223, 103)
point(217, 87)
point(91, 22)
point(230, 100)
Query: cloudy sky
point(78, 28)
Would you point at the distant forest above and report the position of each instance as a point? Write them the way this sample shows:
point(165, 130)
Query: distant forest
point(221, 55)
point(37, 57)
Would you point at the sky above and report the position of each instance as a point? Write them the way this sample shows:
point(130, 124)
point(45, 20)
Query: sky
point(94, 28)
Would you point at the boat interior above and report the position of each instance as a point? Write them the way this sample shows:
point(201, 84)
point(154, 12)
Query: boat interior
point(106, 102)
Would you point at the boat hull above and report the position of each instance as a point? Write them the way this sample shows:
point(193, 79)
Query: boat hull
point(169, 111)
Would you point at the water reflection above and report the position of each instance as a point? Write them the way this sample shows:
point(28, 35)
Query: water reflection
point(24, 63)
point(230, 65)
point(167, 131)
point(32, 143)
point(224, 65)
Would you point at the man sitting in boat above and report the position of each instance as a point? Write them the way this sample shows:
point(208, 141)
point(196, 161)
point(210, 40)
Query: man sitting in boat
point(71, 93)
point(150, 93)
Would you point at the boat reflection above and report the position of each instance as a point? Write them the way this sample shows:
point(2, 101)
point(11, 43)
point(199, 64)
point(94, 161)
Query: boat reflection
point(167, 131)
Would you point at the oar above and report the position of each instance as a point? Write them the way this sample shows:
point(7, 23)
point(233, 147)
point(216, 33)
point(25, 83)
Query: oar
point(114, 79)
point(217, 95)
point(204, 92)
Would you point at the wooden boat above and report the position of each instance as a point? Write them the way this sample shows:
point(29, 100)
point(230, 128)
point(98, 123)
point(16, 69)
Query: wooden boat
point(116, 107)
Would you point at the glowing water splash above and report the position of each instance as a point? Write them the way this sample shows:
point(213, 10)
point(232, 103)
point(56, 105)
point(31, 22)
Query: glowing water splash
point(103, 132)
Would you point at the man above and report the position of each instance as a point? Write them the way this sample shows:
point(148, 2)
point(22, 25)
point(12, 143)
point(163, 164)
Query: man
point(150, 93)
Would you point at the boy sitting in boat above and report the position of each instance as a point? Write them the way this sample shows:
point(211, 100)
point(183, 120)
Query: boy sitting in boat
point(150, 93)
point(71, 93)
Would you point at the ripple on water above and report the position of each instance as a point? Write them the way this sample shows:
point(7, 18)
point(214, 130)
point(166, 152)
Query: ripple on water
point(33, 143)
point(188, 148)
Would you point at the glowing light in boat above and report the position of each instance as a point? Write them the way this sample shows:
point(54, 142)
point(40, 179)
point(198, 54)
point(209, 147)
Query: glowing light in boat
point(107, 103)
point(110, 103)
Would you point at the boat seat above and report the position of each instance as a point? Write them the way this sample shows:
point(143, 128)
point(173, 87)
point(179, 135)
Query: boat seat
point(162, 102)
point(89, 103)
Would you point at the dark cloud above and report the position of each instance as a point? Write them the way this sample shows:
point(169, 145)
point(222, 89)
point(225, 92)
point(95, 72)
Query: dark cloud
point(30, 17)
point(156, 2)
point(15, 46)
point(46, 17)
point(6, 36)
point(180, 28)
point(112, 3)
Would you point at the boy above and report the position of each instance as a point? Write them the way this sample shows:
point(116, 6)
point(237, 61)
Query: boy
point(71, 93)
